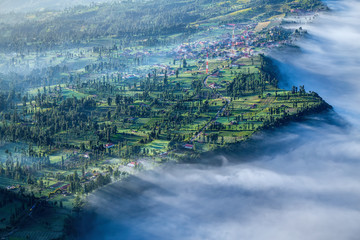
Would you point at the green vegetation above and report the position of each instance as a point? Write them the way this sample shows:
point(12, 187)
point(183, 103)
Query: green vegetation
point(146, 22)
point(36, 218)
point(160, 113)
point(93, 99)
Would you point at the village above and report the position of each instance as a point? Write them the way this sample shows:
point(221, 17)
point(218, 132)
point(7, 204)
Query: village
point(223, 51)
point(91, 115)
point(219, 60)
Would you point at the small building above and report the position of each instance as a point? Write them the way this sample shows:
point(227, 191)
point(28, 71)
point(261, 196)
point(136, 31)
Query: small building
point(189, 146)
point(132, 164)
point(65, 187)
point(109, 145)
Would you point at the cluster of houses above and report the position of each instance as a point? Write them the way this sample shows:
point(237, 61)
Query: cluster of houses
point(243, 43)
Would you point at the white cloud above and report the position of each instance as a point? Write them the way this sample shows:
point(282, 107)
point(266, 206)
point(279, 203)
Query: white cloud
point(304, 183)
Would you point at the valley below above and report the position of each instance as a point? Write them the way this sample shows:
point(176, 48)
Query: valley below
point(222, 120)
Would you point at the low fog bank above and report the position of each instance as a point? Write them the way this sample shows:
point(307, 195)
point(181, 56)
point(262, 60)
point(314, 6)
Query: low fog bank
point(297, 182)
point(327, 60)
point(304, 185)
point(7, 6)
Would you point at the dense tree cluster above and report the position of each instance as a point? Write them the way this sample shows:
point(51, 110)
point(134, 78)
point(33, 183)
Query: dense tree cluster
point(250, 83)
point(128, 21)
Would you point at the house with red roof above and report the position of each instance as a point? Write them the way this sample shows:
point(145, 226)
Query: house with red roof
point(109, 145)
point(132, 164)
point(189, 146)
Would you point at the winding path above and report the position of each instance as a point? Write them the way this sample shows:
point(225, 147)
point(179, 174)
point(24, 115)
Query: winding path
point(217, 114)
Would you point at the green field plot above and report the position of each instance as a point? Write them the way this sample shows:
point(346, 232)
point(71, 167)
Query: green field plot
point(70, 93)
point(125, 89)
point(158, 145)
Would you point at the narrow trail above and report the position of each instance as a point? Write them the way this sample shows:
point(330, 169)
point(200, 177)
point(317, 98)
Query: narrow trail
point(227, 102)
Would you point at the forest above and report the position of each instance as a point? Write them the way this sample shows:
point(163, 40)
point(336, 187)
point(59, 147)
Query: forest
point(148, 22)
point(93, 94)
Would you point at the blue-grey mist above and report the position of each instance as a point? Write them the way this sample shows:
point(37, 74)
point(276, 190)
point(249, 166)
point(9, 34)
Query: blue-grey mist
point(301, 181)
point(8, 6)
